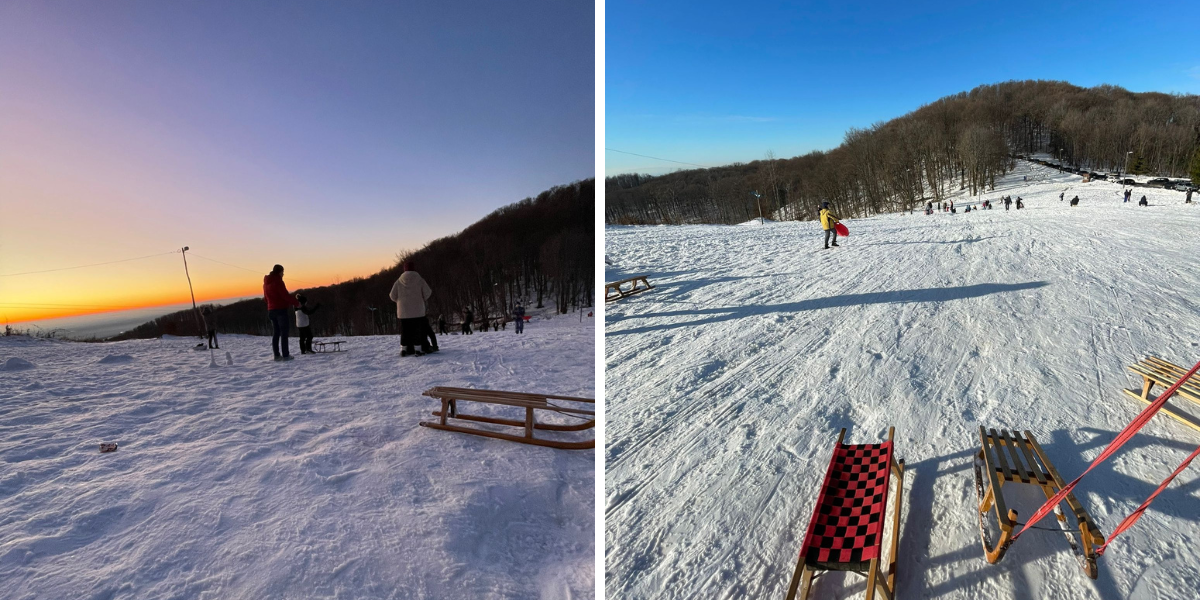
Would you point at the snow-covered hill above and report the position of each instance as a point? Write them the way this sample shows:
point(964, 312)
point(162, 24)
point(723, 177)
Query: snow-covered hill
point(305, 479)
point(726, 386)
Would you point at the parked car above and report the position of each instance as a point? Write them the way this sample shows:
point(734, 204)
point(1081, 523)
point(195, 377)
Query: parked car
point(1114, 178)
point(1128, 181)
point(1159, 182)
point(1185, 186)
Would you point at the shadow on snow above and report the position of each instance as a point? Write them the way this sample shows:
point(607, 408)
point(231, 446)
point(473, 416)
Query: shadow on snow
point(715, 315)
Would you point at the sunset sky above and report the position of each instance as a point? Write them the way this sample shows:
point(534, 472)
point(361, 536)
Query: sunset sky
point(324, 136)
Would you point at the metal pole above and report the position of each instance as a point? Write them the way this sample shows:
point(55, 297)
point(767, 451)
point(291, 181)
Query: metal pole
point(758, 199)
point(195, 311)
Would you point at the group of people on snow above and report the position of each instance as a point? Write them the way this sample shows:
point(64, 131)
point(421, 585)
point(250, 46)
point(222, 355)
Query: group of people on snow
point(410, 293)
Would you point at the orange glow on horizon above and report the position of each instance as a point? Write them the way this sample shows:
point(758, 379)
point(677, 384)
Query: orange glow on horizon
point(17, 312)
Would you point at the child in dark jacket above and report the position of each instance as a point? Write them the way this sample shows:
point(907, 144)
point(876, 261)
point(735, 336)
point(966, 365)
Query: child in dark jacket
point(302, 323)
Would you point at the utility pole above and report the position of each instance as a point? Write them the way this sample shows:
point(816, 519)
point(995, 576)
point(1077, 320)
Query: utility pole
point(758, 198)
point(195, 311)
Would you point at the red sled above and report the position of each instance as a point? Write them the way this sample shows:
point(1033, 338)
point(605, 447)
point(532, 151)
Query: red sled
point(841, 230)
point(527, 317)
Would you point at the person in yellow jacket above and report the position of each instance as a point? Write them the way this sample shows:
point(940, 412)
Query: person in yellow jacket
point(828, 220)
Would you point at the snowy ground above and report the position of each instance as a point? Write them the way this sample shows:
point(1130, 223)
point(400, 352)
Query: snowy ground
point(726, 386)
point(305, 479)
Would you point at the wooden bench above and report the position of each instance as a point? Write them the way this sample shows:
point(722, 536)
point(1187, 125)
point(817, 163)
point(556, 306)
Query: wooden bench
point(1156, 371)
point(322, 346)
point(1017, 458)
point(450, 396)
point(616, 290)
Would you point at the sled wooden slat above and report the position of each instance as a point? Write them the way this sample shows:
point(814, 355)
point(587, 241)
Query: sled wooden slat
point(450, 396)
point(1038, 474)
point(616, 290)
point(1001, 461)
point(1026, 474)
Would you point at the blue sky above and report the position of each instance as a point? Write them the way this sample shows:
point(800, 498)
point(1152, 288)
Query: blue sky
point(713, 82)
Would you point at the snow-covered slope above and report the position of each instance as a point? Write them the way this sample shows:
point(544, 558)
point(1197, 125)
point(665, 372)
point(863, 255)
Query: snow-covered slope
point(305, 479)
point(727, 384)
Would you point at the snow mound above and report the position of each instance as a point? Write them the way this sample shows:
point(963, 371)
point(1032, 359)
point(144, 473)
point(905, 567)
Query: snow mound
point(115, 359)
point(17, 364)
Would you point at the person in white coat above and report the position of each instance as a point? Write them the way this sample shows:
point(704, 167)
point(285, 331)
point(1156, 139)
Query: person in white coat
point(410, 293)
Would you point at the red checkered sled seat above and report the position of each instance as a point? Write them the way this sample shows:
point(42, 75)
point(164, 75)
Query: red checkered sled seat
point(846, 529)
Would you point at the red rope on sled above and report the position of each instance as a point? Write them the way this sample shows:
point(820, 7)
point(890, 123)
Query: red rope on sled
point(1137, 514)
point(1125, 435)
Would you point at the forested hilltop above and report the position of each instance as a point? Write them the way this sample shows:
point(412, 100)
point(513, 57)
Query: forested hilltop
point(539, 250)
point(959, 142)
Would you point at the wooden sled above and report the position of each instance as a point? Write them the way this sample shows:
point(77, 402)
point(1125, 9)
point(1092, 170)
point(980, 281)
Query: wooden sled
point(1017, 458)
point(450, 397)
point(334, 346)
point(1156, 371)
point(616, 290)
point(845, 532)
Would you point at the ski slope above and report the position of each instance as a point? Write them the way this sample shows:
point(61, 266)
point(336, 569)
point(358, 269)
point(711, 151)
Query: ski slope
point(727, 384)
point(302, 479)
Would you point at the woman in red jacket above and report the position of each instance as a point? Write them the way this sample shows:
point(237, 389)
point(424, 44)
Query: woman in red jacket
point(278, 303)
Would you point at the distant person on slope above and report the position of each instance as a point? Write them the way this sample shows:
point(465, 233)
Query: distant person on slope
point(210, 326)
point(828, 221)
point(466, 325)
point(1075, 201)
point(442, 325)
point(1128, 194)
point(1061, 195)
point(1007, 203)
point(519, 318)
point(302, 323)
point(410, 293)
point(278, 303)
point(1020, 204)
point(1143, 202)
point(1188, 199)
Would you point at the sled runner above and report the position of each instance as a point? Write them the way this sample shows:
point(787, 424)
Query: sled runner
point(450, 397)
point(1156, 371)
point(616, 290)
point(334, 346)
point(1001, 460)
point(845, 532)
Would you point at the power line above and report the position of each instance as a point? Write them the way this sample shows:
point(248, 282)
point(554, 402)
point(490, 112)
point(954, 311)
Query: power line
point(91, 265)
point(657, 158)
point(245, 269)
point(225, 263)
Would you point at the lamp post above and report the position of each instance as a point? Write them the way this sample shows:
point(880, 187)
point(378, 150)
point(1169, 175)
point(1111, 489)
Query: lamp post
point(758, 199)
point(195, 311)
point(1127, 155)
